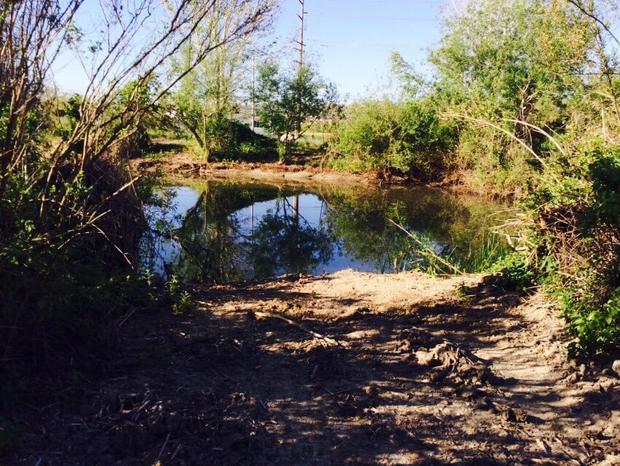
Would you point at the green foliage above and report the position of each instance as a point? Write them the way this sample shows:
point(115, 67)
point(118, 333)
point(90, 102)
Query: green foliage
point(69, 114)
point(523, 103)
point(576, 220)
point(204, 103)
point(515, 272)
point(511, 64)
point(286, 103)
point(71, 310)
point(248, 145)
point(181, 300)
point(411, 82)
point(405, 137)
point(597, 326)
point(604, 172)
point(133, 102)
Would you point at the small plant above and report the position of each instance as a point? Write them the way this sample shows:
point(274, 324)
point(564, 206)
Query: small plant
point(515, 272)
point(462, 290)
point(597, 327)
point(181, 299)
point(183, 303)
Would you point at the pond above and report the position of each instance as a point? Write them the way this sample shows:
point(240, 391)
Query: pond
point(223, 231)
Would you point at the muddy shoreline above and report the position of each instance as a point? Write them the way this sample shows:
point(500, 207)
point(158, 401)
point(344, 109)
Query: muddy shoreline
point(184, 165)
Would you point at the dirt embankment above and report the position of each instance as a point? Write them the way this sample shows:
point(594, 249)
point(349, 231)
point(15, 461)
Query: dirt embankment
point(349, 368)
point(186, 165)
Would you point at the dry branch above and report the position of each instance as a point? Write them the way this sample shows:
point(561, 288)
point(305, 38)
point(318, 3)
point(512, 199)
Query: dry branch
point(301, 327)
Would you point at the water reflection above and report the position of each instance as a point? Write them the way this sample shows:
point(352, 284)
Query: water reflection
point(218, 231)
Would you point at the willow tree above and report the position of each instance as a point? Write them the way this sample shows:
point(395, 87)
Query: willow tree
point(505, 68)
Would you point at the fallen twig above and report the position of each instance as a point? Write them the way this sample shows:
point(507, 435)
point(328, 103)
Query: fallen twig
point(329, 340)
point(126, 318)
point(163, 447)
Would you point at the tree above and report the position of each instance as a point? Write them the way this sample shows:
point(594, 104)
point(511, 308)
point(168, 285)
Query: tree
point(205, 100)
point(66, 202)
point(287, 102)
point(517, 65)
point(120, 64)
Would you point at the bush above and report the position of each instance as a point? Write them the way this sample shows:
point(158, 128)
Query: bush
point(597, 326)
point(515, 272)
point(576, 218)
point(60, 309)
point(249, 145)
point(384, 136)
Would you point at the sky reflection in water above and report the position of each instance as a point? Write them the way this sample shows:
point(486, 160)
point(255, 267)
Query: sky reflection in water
point(216, 231)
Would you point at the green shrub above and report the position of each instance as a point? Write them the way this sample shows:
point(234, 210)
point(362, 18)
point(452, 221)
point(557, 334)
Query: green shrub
point(597, 326)
point(604, 171)
point(363, 138)
point(54, 306)
point(515, 272)
point(576, 220)
point(385, 136)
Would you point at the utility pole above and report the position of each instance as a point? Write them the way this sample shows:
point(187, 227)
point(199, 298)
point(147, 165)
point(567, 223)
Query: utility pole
point(253, 93)
point(300, 64)
point(300, 42)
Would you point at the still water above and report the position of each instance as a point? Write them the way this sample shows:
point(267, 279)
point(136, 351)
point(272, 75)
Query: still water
point(221, 231)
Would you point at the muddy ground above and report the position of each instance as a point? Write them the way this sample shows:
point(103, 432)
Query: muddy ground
point(349, 368)
point(300, 169)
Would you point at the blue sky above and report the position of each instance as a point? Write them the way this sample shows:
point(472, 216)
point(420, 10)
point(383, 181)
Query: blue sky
point(351, 40)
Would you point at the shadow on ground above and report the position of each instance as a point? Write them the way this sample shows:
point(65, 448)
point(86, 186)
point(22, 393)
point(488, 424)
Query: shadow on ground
point(240, 385)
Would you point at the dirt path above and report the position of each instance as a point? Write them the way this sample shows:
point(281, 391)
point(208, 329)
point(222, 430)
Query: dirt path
point(349, 368)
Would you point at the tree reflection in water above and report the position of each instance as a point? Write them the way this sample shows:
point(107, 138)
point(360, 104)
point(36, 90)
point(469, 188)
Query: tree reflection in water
point(236, 231)
point(285, 242)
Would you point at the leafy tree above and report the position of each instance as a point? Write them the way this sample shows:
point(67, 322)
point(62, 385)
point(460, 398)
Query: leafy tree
point(287, 102)
point(412, 83)
point(204, 101)
point(206, 98)
point(504, 69)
